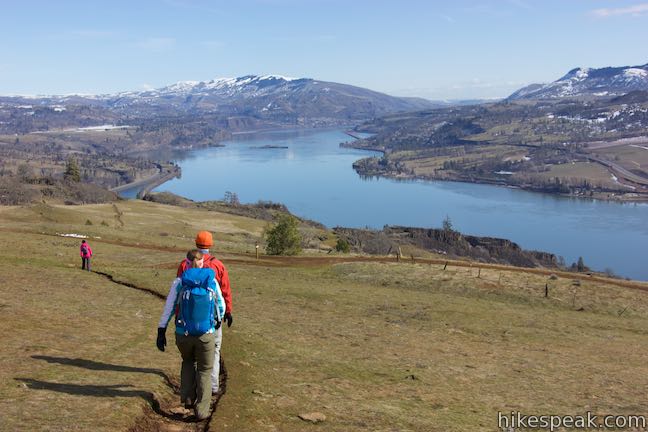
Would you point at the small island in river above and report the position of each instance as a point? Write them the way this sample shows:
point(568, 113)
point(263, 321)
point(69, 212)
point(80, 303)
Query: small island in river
point(269, 147)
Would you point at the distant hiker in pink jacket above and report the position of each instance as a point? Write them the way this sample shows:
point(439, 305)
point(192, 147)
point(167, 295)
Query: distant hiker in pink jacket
point(86, 253)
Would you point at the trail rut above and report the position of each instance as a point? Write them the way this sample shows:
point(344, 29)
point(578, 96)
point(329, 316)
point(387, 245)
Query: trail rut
point(163, 415)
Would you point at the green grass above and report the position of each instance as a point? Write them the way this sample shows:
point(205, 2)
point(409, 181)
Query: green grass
point(373, 346)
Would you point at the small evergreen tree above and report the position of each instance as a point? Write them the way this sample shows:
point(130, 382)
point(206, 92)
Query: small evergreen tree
point(284, 238)
point(447, 224)
point(342, 246)
point(72, 171)
point(580, 266)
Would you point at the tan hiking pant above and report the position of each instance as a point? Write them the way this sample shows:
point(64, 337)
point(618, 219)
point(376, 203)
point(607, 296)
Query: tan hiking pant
point(195, 376)
point(216, 371)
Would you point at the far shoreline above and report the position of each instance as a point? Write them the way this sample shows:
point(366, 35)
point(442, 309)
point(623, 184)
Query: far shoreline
point(158, 179)
point(622, 199)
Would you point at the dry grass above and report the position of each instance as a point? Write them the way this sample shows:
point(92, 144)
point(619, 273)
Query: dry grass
point(402, 347)
point(76, 349)
point(629, 157)
point(373, 346)
point(593, 172)
point(423, 165)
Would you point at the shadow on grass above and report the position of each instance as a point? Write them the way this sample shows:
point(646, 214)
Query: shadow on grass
point(107, 391)
point(100, 366)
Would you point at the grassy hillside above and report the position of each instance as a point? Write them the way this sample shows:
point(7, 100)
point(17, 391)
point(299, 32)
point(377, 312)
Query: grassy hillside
point(369, 343)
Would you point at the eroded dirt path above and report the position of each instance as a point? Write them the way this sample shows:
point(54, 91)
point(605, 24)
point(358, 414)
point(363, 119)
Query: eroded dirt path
point(167, 415)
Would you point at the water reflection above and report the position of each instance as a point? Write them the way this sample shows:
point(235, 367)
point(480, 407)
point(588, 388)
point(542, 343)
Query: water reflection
point(314, 178)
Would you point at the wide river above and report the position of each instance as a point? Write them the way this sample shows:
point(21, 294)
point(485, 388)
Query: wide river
point(314, 178)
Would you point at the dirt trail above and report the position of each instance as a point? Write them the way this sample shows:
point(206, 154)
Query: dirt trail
point(112, 279)
point(306, 261)
point(163, 415)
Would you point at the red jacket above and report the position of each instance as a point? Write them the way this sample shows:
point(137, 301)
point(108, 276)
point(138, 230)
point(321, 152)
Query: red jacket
point(88, 251)
point(221, 276)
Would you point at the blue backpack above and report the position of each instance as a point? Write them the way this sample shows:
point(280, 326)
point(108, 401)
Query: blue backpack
point(196, 313)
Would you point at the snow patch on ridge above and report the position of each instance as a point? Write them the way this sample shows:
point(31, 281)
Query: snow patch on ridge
point(635, 73)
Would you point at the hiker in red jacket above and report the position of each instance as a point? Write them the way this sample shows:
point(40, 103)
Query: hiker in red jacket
point(86, 253)
point(204, 241)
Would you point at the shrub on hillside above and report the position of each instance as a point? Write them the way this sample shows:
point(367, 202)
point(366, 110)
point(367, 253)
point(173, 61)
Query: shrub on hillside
point(14, 192)
point(284, 238)
point(85, 193)
point(342, 246)
point(169, 199)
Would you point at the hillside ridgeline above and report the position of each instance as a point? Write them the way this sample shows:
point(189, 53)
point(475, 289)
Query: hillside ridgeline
point(451, 243)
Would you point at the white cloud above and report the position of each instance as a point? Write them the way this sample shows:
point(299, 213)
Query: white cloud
point(635, 10)
point(146, 86)
point(156, 44)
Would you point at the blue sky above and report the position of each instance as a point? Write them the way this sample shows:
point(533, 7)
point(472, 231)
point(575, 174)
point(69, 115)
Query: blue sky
point(439, 50)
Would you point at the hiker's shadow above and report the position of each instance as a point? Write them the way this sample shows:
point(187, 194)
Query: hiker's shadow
point(100, 366)
point(108, 391)
point(86, 390)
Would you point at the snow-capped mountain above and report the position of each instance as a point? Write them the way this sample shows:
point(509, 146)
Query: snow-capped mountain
point(269, 97)
point(249, 85)
point(588, 82)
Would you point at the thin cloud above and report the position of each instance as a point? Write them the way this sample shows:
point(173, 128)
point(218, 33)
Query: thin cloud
point(156, 44)
point(635, 10)
point(448, 18)
point(471, 89)
point(94, 34)
point(325, 38)
point(521, 4)
point(500, 10)
point(193, 5)
point(86, 34)
point(322, 38)
point(212, 44)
